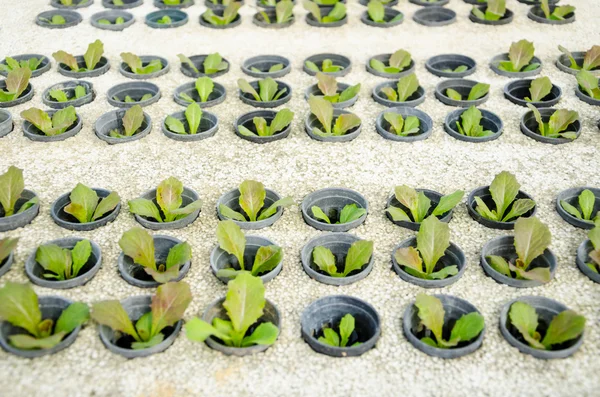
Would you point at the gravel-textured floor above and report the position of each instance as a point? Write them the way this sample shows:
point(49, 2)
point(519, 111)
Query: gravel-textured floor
point(297, 166)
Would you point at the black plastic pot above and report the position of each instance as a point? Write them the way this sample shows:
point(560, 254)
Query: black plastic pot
point(389, 14)
point(366, 3)
point(505, 19)
point(51, 307)
point(285, 98)
point(454, 309)
point(264, 63)
point(72, 18)
point(213, 6)
point(516, 75)
point(428, 4)
point(564, 63)
point(184, 4)
point(6, 264)
point(489, 120)
point(582, 259)
point(209, 125)
point(42, 68)
point(414, 100)
point(231, 200)
point(425, 124)
point(463, 87)
point(247, 121)
point(136, 90)
point(259, 20)
point(529, 127)
point(432, 195)
point(504, 246)
point(69, 88)
point(35, 271)
point(438, 63)
point(325, 11)
point(536, 14)
point(385, 58)
point(146, 59)
point(18, 220)
point(33, 133)
point(516, 92)
point(339, 60)
point(135, 274)
point(332, 201)
point(546, 309)
point(219, 12)
point(434, 16)
point(101, 67)
point(216, 97)
point(585, 97)
point(114, 120)
point(119, 343)
point(198, 61)
point(112, 15)
point(328, 312)
point(188, 196)
point(178, 18)
point(571, 196)
point(484, 193)
point(312, 122)
point(24, 97)
point(68, 221)
point(6, 123)
point(126, 4)
point(78, 4)
point(316, 91)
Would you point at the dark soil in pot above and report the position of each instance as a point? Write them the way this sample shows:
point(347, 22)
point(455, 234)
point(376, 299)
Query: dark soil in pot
point(136, 90)
point(146, 59)
point(188, 196)
point(505, 19)
point(425, 124)
point(432, 195)
point(68, 87)
point(484, 193)
point(24, 97)
point(529, 127)
point(414, 100)
point(198, 61)
point(101, 67)
point(337, 60)
point(516, 75)
point(312, 122)
point(112, 16)
point(178, 18)
point(216, 97)
point(263, 63)
point(231, 200)
point(516, 92)
point(332, 201)
point(582, 259)
point(536, 14)
point(18, 220)
point(434, 16)
point(6, 123)
point(72, 18)
point(283, 99)
point(388, 19)
point(114, 120)
point(68, 221)
point(33, 133)
point(42, 68)
point(209, 125)
point(463, 87)
point(385, 58)
point(490, 122)
point(246, 120)
point(571, 196)
point(444, 65)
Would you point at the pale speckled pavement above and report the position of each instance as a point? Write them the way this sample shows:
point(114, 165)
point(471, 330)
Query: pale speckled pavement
point(297, 166)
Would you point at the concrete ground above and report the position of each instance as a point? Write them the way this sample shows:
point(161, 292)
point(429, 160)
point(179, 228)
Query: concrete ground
point(297, 166)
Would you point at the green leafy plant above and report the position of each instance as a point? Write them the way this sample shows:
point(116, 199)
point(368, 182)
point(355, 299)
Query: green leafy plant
point(532, 238)
point(342, 336)
point(167, 308)
point(433, 239)
point(56, 19)
point(565, 326)
point(504, 190)
point(91, 57)
point(282, 119)
point(401, 126)
point(175, 2)
point(539, 89)
point(86, 206)
point(376, 11)
point(419, 204)
point(593, 235)
point(19, 306)
point(7, 245)
point(520, 55)
point(118, 2)
point(267, 87)
point(63, 263)
point(59, 95)
point(212, 64)
point(558, 13)
point(349, 213)
point(591, 59)
point(132, 121)
point(431, 313)
point(329, 88)
point(252, 203)
point(358, 255)
point(558, 122)
point(494, 11)
point(398, 61)
point(470, 124)
point(11, 187)
point(12, 64)
point(284, 12)
point(193, 116)
point(169, 198)
point(327, 66)
point(221, 2)
point(586, 201)
point(69, 3)
point(589, 83)
point(118, 21)
point(138, 67)
point(323, 111)
point(138, 244)
point(16, 82)
point(272, 68)
point(406, 87)
point(129, 99)
point(229, 14)
point(58, 124)
point(244, 304)
point(337, 13)
point(479, 90)
point(204, 87)
point(165, 20)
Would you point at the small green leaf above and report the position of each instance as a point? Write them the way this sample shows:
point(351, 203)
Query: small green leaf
point(264, 334)
point(66, 59)
point(323, 111)
point(453, 94)
point(571, 209)
point(358, 255)
point(252, 198)
point(214, 63)
point(80, 255)
point(267, 258)
point(146, 208)
point(267, 213)
point(325, 260)
point(232, 240)
point(520, 54)
point(112, 314)
point(431, 313)
point(244, 304)
point(432, 241)
point(204, 87)
point(93, 54)
point(132, 120)
point(178, 255)
point(467, 327)
point(525, 319)
point(319, 214)
point(231, 214)
point(282, 119)
point(187, 61)
point(19, 306)
point(398, 214)
point(246, 88)
point(586, 202)
point(448, 202)
point(347, 325)
point(351, 212)
point(72, 317)
point(479, 90)
point(330, 337)
point(7, 245)
point(138, 244)
point(504, 189)
point(83, 203)
point(407, 86)
point(532, 238)
point(376, 11)
point(499, 264)
point(174, 125)
point(169, 304)
point(197, 330)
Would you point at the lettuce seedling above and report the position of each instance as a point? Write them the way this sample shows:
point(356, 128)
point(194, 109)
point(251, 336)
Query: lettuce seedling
point(267, 88)
point(470, 124)
point(376, 11)
point(406, 86)
point(165, 20)
point(59, 123)
point(479, 90)
point(204, 87)
point(458, 69)
point(558, 122)
point(131, 122)
point(273, 68)
point(16, 81)
point(558, 14)
point(327, 66)
point(135, 64)
point(323, 110)
point(166, 309)
point(59, 95)
point(539, 89)
point(520, 55)
point(221, 2)
point(168, 197)
point(329, 88)
point(565, 326)
point(282, 119)
point(86, 206)
point(270, 3)
point(593, 235)
point(401, 126)
point(91, 57)
point(118, 21)
point(494, 11)
point(337, 13)
point(357, 256)
point(232, 240)
point(63, 263)
point(349, 213)
point(212, 64)
point(589, 83)
point(56, 19)
point(175, 2)
point(433, 239)
point(586, 201)
point(12, 64)
point(399, 61)
point(431, 313)
point(244, 304)
point(591, 59)
point(118, 2)
point(138, 244)
point(7, 245)
point(11, 187)
point(342, 336)
point(229, 14)
point(193, 116)
point(504, 190)
point(19, 306)
point(69, 3)
point(252, 202)
point(129, 99)
point(284, 12)
point(419, 204)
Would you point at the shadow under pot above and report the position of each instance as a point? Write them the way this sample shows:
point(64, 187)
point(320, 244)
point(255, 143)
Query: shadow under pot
point(259, 20)
point(585, 264)
point(537, 15)
point(504, 246)
point(585, 97)
point(178, 18)
point(426, 3)
point(35, 134)
point(503, 20)
point(142, 93)
point(260, 66)
point(6, 123)
point(51, 307)
point(209, 125)
point(101, 67)
point(182, 4)
point(6, 264)
point(337, 60)
point(216, 97)
point(433, 196)
point(68, 88)
point(489, 121)
point(495, 62)
point(136, 274)
point(75, 4)
point(25, 96)
point(483, 192)
point(327, 312)
point(187, 197)
point(332, 201)
point(463, 87)
point(434, 16)
point(35, 271)
point(19, 219)
point(454, 309)
point(68, 221)
point(385, 59)
point(312, 122)
point(546, 309)
point(283, 99)
point(198, 61)
point(425, 124)
point(231, 199)
point(146, 59)
point(72, 18)
point(446, 65)
point(42, 68)
point(530, 127)
point(120, 343)
point(246, 120)
point(389, 18)
point(312, 21)
point(113, 120)
point(221, 259)
point(571, 196)
point(314, 90)
point(126, 4)
point(220, 12)
point(417, 98)
point(338, 244)
point(112, 16)
point(516, 92)
point(564, 63)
